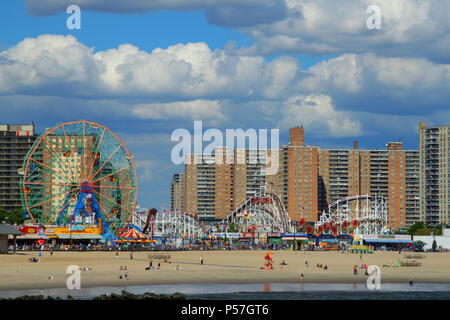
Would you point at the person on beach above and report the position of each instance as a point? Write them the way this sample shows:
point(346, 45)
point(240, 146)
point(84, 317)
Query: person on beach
point(355, 270)
point(131, 255)
point(125, 272)
point(177, 268)
point(121, 273)
point(302, 277)
point(411, 283)
point(201, 260)
point(325, 268)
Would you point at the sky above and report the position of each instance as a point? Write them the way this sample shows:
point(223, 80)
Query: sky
point(146, 68)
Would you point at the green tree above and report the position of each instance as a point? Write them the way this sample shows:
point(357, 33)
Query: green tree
point(434, 246)
point(418, 229)
point(11, 217)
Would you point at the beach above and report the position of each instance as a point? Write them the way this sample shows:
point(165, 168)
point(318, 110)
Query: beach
point(17, 273)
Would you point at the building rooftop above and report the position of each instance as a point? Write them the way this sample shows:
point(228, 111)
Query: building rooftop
point(9, 230)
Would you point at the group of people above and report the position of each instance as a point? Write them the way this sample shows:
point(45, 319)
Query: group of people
point(151, 267)
point(362, 267)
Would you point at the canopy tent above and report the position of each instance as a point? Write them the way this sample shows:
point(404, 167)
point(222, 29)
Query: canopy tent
point(78, 236)
point(30, 236)
point(132, 233)
point(388, 241)
point(140, 241)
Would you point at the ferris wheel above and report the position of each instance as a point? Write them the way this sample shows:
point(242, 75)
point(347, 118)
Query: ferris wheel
point(79, 173)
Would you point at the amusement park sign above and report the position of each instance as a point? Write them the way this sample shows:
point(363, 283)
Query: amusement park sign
point(262, 200)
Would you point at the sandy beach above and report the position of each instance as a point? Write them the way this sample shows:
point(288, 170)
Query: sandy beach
point(16, 272)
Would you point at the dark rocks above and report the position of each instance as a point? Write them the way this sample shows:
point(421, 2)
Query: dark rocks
point(125, 295)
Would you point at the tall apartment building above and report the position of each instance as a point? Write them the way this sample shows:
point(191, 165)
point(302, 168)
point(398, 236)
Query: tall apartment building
point(308, 179)
point(214, 188)
point(391, 173)
point(15, 141)
point(434, 174)
point(62, 167)
point(300, 171)
point(177, 192)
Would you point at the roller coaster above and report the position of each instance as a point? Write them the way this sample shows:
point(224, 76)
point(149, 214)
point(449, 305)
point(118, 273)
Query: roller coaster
point(262, 212)
point(362, 215)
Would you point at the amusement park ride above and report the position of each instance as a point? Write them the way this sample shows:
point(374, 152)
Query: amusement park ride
point(81, 174)
point(263, 212)
point(362, 215)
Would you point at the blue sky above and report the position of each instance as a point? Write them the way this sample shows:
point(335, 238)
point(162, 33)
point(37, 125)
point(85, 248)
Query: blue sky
point(258, 64)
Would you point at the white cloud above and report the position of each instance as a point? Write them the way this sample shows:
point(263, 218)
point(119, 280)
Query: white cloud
point(409, 27)
point(186, 82)
point(318, 114)
point(58, 65)
point(144, 169)
point(195, 110)
point(368, 82)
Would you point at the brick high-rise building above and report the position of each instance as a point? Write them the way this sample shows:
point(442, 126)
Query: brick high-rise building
point(15, 141)
point(434, 174)
point(213, 190)
point(300, 172)
point(177, 192)
point(391, 173)
point(308, 179)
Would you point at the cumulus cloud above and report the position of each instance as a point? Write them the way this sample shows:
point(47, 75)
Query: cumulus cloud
point(51, 64)
point(409, 27)
point(191, 81)
point(195, 110)
point(317, 113)
point(380, 84)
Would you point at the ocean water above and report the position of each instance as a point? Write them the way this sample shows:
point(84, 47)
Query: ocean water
point(267, 291)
